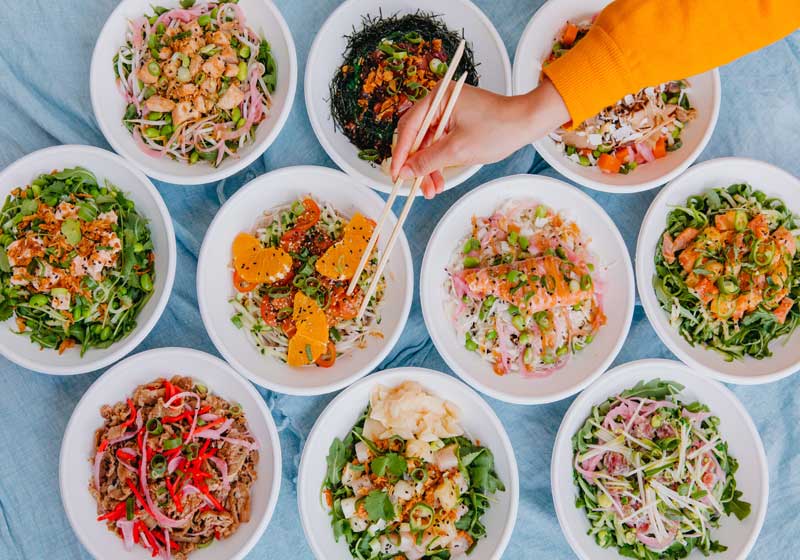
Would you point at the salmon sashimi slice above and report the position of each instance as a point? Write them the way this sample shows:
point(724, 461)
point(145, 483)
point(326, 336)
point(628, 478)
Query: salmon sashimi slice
point(546, 287)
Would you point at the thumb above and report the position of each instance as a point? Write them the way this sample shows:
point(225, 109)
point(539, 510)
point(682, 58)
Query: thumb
point(438, 155)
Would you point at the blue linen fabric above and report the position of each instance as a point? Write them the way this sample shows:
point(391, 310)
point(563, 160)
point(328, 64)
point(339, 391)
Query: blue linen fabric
point(45, 50)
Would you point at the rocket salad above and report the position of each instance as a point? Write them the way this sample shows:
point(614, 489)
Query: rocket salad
point(76, 261)
point(412, 486)
point(654, 475)
point(726, 271)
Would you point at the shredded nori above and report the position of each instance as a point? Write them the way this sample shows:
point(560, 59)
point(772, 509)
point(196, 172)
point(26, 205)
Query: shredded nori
point(359, 124)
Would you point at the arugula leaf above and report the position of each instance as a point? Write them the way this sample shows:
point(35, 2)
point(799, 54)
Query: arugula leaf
point(655, 389)
point(337, 458)
point(379, 506)
point(737, 507)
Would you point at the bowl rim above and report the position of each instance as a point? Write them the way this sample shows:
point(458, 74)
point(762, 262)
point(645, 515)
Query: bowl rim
point(396, 375)
point(655, 313)
point(559, 163)
point(263, 410)
point(443, 350)
point(214, 174)
point(340, 160)
point(629, 369)
point(388, 343)
point(129, 343)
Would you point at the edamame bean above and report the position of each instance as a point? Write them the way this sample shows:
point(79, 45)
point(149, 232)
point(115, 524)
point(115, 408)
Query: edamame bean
point(145, 282)
point(242, 75)
point(38, 300)
point(105, 334)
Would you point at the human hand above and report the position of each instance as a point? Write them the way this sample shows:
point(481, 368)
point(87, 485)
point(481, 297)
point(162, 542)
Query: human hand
point(485, 127)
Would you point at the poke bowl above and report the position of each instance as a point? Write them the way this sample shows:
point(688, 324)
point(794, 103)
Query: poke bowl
point(404, 48)
point(737, 323)
point(643, 141)
point(419, 432)
point(125, 431)
point(87, 259)
point(530, 298)
point(716, 477)
point(273, 278)
point(193, 92)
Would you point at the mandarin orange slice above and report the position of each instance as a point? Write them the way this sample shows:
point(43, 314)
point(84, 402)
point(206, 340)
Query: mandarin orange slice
point(341, 260)
point(258, 264)
point(311, 339)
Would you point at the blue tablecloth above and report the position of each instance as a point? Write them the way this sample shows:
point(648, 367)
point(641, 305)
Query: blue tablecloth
point(45, 49)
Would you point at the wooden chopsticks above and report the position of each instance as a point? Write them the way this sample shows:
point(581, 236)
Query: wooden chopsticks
point(423, 130)
point(432, 110)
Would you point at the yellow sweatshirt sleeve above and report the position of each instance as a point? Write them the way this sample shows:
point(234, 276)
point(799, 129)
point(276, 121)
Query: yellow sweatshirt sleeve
point(638, 43)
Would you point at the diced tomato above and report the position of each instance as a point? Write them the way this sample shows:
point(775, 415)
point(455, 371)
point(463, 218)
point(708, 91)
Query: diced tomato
point(329, 357)
point(608, 163)
point(241, 285)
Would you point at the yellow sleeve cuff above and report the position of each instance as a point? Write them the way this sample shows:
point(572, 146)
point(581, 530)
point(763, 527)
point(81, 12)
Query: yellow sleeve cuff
point(591, 76)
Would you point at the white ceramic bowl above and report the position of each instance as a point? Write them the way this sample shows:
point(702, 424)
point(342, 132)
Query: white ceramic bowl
point(535, 45)
point(214, 286)
point(479, 422)
point(118, 383)
point(700, 178)
point(614, 271)
point(109, 106)
point(326, 56)
point(106, 166)
point(736, 427)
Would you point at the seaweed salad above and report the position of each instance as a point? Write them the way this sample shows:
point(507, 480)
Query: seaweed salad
point(388, 65)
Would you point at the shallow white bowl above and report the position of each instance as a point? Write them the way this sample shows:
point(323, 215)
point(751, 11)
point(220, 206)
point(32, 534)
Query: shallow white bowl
point(215, 288)
point(109, 106)
point(326, 56)
point(614, 271)
point(479, 422)
point(736, 427)
point(720, 172)
point(535, 45)
point(118, 383)
point(106, 166)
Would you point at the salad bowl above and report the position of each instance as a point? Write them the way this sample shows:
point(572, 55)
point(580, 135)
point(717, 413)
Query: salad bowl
point(613, 280)
point(704, 92)
point(215, 288)
point(735, 426)
point(109, 106)
point(325, 58)
point(479, 422)
point(698, 180)
point(75, 470)
point(106, 166)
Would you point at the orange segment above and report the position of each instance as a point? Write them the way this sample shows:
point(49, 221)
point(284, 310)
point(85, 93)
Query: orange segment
point(300, 346)
point(258, 264)
point(340, 261)
point(311, 339)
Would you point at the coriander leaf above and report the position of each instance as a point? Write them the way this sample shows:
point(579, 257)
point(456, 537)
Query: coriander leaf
point(379, 506)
